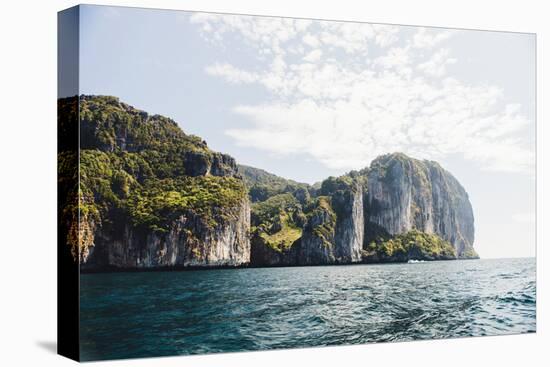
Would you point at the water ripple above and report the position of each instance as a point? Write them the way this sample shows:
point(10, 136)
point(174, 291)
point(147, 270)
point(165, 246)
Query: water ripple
point(165, 313)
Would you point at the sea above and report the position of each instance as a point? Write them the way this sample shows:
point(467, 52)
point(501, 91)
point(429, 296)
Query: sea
point(146, 314)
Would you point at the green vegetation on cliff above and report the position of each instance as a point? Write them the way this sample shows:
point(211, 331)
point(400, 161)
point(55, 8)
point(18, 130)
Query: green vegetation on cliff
point(411, 245)
point(262, 185)
point(143, 170)
point(339, 190)
point(277, 214)
point(146, 169)
point(285, 237)
point(158, 202)
point(324, 229)
point(278, 221)
point(109, 125)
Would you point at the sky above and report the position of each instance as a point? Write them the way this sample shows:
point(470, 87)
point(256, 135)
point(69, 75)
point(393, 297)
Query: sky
point(307, 99)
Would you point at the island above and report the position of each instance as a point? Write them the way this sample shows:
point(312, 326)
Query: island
point(150, 196)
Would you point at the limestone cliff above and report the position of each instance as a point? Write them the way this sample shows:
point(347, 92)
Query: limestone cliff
point(406, 194)
point(189, 241)
point(317, 245)
point(263, 254)
point(335, 230)
point(150, 195)
point(349, 231)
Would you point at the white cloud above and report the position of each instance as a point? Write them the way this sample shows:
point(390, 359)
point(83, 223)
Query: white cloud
point(313, 56)
point(261, 33)
point(311, 40)
point(428, 38)
point(397, 57)
point(436, 66)
point(231, 74)
point(386, 35)
point(358, 90)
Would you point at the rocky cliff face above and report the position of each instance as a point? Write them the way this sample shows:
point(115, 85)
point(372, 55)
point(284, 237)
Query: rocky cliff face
point(349, 231)
point(216, 164)
point(190, 241)
point(406, 194)
point(335, 229)
point(152, 196)
point(317, 245)
point(261, 254)
point(332, 233)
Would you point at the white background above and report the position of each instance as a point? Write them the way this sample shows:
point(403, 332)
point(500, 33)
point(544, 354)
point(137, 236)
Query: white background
point(28, 183)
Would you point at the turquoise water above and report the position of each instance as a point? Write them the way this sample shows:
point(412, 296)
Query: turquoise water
point(126, 315)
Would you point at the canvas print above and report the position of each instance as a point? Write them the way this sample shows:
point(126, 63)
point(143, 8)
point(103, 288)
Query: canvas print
point(233, 183)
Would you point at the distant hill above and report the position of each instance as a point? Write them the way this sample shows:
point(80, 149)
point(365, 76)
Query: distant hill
point(263, 184)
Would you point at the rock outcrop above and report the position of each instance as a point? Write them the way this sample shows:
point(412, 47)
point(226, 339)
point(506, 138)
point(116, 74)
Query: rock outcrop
point(349, 231)
point(189, 242)
point(405, 194)
point(151, 196)
point(331, 234)
point(262, 254)
point(334, 232)
point(317, 245)
point(211, 163)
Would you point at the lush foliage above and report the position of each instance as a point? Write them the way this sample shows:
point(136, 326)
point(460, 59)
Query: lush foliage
point(289, 207)
point(263, 185)
point(144, 169)
point(324, 230)
point(136, 166)
point(335, 184)
point(341, 189)
point(413, 245)
point(278, 221)
point(159, 201)
point(108, 125)
point(277, 215)
point(287, 234)
point(266, 212)
point(125, 182)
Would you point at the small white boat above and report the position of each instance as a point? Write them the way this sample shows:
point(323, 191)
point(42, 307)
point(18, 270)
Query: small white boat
point(412, 261)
